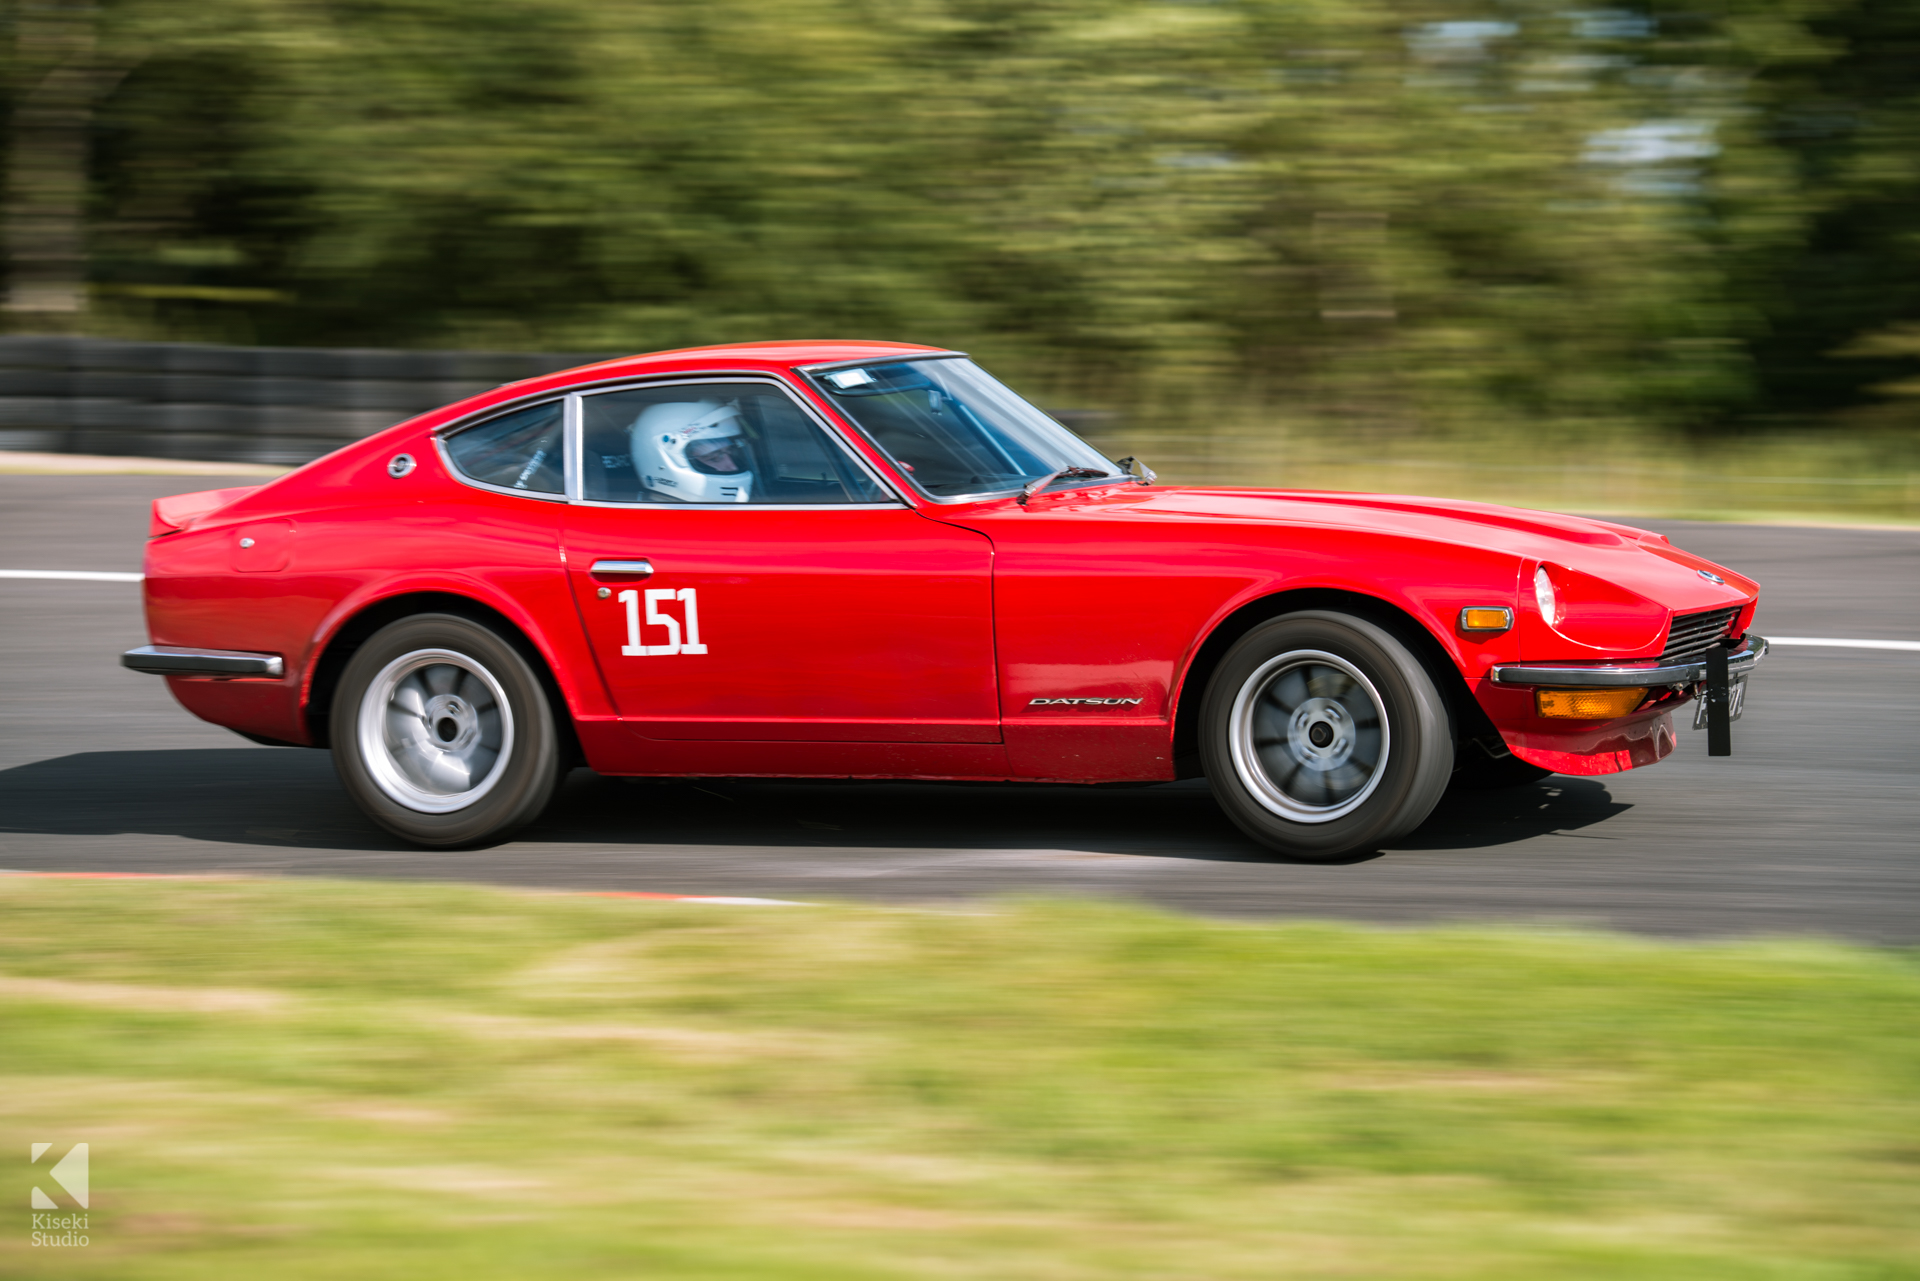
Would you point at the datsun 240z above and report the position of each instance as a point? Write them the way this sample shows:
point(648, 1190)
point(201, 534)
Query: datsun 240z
point(873, 560)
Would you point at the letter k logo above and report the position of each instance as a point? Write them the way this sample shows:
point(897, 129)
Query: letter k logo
point(69, 1174)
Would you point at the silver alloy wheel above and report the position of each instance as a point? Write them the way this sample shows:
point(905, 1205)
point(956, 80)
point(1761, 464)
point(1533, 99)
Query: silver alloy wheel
point(435, 730)
point(1309, 736)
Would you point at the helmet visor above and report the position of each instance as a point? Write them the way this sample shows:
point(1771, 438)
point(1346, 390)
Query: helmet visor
point(718, 455)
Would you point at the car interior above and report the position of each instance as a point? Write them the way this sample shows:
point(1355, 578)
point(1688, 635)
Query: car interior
point(791, 458)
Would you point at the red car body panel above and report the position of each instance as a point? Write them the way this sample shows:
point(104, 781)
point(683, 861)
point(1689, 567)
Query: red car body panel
point(927, 639)
point(856, 625)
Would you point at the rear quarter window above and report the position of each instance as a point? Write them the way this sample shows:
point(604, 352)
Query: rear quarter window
point(523, 450)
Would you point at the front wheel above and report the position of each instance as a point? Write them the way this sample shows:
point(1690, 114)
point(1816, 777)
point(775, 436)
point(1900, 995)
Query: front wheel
point(443, 734)
point(1323, 736)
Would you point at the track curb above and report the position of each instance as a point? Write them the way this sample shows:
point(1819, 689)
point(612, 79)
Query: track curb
point(725, 900)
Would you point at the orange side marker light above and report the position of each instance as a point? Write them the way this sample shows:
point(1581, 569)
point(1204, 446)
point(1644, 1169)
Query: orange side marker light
point(1588, 704)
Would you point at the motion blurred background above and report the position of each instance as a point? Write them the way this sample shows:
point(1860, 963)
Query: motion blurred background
point(1658, 258)
point(1663, 257)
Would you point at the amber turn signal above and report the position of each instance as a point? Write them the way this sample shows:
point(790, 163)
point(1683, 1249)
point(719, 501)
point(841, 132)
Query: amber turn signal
point(1588, 704)
point(1485, 618)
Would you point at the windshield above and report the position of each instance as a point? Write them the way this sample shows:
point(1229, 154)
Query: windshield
point(953, 429)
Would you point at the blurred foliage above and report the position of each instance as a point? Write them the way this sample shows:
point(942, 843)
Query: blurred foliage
point(1384, 213)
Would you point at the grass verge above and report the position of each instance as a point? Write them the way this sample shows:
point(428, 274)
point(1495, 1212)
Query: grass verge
point(1849, 478)
point(328, 1080)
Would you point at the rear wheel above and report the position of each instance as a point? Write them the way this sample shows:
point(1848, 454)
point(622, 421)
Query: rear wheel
point(1323, 736)
point(443, 734)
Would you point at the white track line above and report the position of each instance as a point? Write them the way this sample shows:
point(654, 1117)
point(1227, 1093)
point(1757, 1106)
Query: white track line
point(77, 575)
point(1842, 644)
point(107, 576)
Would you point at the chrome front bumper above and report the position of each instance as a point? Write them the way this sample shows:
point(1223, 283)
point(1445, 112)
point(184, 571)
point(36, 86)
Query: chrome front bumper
point(1740, 662)
point(173, 660)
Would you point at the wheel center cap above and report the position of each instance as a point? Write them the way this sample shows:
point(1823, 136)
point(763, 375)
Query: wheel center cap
point(452, 724)
point(1320, 733)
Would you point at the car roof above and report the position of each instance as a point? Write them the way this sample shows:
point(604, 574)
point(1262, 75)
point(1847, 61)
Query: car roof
point(786, 354)
point(766, 357)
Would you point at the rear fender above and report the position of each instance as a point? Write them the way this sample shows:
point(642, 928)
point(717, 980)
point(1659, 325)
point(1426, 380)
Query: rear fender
point(554, 647)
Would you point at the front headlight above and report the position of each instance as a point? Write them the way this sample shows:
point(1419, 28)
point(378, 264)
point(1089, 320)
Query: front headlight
point(1546, 597)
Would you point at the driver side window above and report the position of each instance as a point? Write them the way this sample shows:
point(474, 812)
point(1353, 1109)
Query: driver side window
point(714, 443)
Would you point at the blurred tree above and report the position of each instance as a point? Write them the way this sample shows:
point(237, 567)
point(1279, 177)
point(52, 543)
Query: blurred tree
point(55, 77)
point(1850, 125)
point(1897, 347)
point(1395, 213)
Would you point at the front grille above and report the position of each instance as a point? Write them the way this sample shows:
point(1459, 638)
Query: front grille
point(1695, 634)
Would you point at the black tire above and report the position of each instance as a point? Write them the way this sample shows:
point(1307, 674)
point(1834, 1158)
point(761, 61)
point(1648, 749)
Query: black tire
point(1324, 736)
point(1477, 768)
point(484, 720)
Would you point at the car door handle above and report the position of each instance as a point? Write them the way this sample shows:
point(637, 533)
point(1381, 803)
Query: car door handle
point(622, 569)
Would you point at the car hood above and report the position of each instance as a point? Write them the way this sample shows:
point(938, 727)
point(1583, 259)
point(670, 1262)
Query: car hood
point(1638, 560)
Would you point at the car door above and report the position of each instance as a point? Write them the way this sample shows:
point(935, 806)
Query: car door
point(740, 575)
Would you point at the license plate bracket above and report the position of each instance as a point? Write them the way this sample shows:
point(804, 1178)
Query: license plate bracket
point(1736, 701)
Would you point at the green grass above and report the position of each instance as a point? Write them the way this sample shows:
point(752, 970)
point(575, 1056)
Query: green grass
point(1816, 476)
point(330, 1080)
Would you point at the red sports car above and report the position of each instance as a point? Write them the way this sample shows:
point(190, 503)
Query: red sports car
point(866, 559)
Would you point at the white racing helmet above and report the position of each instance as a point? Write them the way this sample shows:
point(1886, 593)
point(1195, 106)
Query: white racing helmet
point(693, 450)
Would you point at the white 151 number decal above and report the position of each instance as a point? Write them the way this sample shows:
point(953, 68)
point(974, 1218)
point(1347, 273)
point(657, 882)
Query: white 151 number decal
point(686, 596)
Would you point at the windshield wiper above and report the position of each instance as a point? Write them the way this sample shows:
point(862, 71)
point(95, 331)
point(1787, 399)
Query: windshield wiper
point(1033, 487)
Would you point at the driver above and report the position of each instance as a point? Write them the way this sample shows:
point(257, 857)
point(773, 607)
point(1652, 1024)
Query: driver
point(694, 451)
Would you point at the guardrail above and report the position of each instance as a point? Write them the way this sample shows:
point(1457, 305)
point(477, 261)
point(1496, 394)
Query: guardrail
point(230, 404)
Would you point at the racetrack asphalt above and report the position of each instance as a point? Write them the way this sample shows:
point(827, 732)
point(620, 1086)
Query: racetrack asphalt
point(1812, 827)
